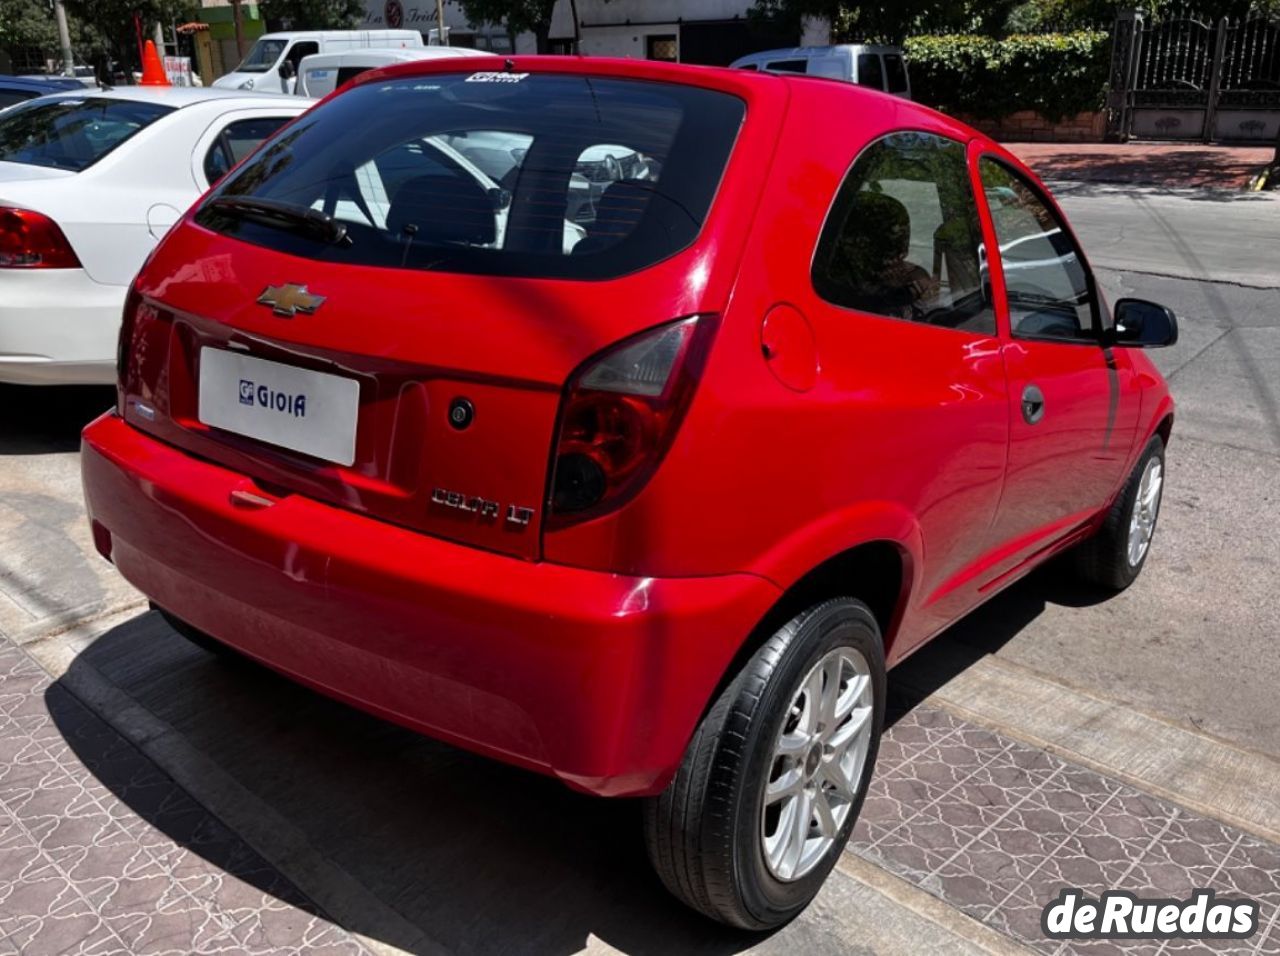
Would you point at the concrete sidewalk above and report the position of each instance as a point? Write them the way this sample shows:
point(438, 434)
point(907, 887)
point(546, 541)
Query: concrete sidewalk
point(1157, 164)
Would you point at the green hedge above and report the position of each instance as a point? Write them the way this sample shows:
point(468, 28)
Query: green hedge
point(1055, 74)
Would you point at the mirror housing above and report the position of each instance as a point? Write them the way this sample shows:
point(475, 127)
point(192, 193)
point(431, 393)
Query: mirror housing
point(286, 70)
point(1144, 325)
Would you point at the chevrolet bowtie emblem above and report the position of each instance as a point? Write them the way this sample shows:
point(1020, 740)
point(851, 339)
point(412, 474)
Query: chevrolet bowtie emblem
point(289, 299)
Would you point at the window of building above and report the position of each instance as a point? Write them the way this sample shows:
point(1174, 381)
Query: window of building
point(663, 47)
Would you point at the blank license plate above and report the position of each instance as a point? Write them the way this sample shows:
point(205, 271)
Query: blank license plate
point(311, 412)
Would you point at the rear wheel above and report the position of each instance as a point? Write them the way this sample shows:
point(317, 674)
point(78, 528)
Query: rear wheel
point(772, 782)
point(1113, 558)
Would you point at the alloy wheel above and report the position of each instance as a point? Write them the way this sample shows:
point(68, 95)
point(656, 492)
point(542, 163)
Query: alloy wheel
point(1146, 506)
point(817, 763)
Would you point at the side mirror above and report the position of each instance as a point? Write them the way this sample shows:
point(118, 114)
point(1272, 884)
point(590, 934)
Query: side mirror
point(1144, 325)
point(286, 70)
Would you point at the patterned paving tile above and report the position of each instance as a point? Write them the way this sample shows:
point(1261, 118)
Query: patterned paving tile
point(998, 829)
point(84, 871)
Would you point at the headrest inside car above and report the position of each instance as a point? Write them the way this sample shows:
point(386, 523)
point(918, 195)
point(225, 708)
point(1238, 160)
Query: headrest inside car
point(444, 209)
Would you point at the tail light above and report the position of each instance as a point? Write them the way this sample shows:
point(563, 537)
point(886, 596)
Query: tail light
point(136, 310)
point(31, 240)
point(620, 414)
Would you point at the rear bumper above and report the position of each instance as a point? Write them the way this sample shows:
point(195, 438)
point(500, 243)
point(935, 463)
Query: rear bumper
point(596, 678)
point(58, 327)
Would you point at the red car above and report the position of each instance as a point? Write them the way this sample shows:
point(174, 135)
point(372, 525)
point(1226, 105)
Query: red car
point(646, 495)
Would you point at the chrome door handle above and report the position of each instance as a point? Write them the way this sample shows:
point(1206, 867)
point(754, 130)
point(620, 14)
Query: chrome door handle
point(1032, 405)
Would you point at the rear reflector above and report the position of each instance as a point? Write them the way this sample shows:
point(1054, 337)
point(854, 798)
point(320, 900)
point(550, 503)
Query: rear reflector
point(31, 240)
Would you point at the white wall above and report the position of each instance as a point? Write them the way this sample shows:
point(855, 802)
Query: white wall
point(605, 31)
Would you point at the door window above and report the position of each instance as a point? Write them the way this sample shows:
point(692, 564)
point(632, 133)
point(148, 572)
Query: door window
point(9, 97)
point(869, 72)
point(902, 238)
point(787, 66)
point(1048, 287)
point(236, 142)
point(301, 49)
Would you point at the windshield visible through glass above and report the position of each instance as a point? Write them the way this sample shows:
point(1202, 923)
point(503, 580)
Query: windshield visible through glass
point(262, 57)
point(71, 133)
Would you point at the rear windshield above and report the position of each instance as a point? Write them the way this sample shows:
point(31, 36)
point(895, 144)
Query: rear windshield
point(533, 175)
point(897, 73)
point(71, 133)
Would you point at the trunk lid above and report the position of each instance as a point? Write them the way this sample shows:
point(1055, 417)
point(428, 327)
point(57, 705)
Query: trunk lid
point(450, 283)
point(415, 342)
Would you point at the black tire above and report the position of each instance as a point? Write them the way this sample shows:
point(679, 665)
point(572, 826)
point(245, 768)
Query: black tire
point(1103, 560)
point(202, 640)
point(704, 831)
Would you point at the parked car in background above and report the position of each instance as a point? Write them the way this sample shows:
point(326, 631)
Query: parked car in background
point(322, 73)
point(273, 62)
point(19, 89)
point(653, 512)
point(881, 68)
point(89, 182)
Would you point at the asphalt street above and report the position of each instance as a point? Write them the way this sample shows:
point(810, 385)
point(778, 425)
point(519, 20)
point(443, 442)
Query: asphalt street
point(1196, 637)
point(153, 799)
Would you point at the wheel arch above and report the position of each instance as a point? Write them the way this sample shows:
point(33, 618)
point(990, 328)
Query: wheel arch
point(878, 572)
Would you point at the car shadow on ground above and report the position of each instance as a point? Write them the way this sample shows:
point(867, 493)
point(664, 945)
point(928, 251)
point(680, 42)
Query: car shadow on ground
point(986, 630)
point(45, 419)
point(450, 850)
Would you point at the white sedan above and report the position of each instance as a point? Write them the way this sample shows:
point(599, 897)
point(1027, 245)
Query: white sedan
point(89, 183)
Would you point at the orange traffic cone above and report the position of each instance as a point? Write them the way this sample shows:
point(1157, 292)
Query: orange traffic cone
point(152, 69)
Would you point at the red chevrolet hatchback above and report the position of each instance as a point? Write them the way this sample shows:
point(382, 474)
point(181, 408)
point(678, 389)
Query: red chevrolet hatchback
point(624, 421)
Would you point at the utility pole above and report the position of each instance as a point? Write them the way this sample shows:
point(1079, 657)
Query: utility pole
point(64, 38)
point(444, 37)
point(238, 21)
point(577, 30)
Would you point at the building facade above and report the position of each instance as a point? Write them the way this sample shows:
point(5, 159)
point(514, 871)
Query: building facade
point(711, 32)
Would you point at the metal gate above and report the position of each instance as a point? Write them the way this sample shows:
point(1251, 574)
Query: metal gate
point(1186, 78)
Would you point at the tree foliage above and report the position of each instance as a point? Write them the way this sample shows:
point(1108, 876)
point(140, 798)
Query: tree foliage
point(313, 14)
point(893, 21)
point(517, 16)
point(1054, 74)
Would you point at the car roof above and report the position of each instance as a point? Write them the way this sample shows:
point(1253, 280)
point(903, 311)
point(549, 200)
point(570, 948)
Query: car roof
point(818, 51)
point(38, 84)
point(177, 96)
point(386, 57)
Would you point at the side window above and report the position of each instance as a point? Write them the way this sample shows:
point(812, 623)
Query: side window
point(750, 66)
point(1046, 281)
point(902, 238)
point(869, 71)
point(832, 67)
point(348, 73)
point(301, 49)
point(9, 97)
point(237, 141)
point(787, 66)
point(896, 72)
